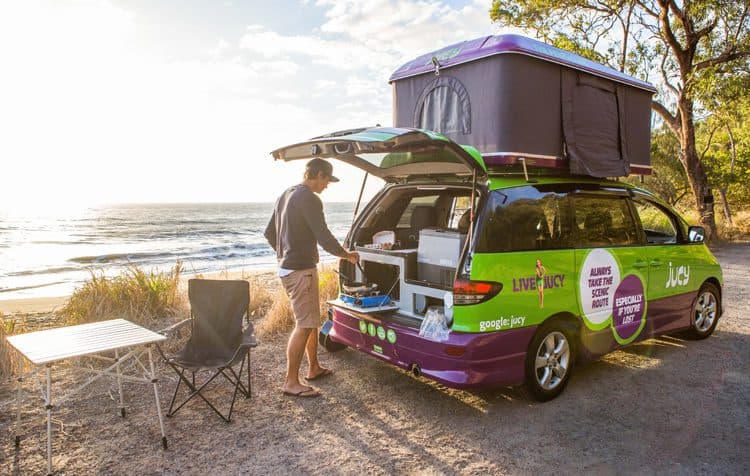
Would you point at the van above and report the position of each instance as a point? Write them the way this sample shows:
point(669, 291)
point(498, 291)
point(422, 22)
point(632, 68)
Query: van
point(510, 260)
point(532, 273)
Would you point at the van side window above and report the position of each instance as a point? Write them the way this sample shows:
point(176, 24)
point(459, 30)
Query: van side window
point(523, 219)
point(603, 221)
point(657, 224)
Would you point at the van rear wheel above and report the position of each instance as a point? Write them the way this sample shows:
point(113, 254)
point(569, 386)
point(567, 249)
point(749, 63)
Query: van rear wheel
point(705, 313)
point(549, 361)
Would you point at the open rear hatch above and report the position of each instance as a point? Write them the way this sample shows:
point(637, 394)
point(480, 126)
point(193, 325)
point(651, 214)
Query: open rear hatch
point(392, 154)
point(410, 277)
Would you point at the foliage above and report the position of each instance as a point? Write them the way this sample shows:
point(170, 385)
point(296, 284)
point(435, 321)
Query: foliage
point(134, 295)
point(261, 296)
point(280, 317)
point(695, 47)
point(724, 139)
point(9, 358)
point(668, 180)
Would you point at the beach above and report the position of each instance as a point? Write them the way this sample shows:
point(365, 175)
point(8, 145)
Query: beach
point(665, 405)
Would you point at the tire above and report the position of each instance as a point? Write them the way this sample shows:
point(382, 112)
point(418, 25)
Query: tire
point(549, 361)
point(325, 340)
point(705, 312)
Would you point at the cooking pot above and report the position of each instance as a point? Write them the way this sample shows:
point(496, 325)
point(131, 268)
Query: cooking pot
point(358, 288)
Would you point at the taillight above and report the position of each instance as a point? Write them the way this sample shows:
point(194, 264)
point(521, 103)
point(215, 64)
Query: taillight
point(474, 292)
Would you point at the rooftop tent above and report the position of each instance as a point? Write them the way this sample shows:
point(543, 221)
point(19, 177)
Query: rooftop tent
point(513, 97)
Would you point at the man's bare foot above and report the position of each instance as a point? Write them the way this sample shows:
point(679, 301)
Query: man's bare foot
point(296, 389)
point(308, 393)
point(319, 373)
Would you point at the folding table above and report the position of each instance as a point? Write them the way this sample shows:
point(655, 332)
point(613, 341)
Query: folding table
point(44, 348)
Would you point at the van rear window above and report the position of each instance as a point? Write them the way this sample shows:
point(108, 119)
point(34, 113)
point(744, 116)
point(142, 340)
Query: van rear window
point(524, 218)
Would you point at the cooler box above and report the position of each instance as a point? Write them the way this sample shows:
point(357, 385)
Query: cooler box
point(437, 255)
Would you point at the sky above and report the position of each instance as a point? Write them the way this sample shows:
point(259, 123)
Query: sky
point(183, 101)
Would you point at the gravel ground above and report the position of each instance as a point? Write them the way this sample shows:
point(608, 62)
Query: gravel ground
point(663, 406)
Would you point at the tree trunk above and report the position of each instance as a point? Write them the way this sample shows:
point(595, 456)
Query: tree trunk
point(727, 210)
point(696, 174)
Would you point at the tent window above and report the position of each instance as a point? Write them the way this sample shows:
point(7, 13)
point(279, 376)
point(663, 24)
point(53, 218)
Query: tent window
point(444, 107)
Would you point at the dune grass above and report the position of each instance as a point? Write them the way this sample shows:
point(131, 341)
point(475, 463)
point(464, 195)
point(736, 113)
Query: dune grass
point(136, 295)
point(147, 297)
point(9, 358)
point(279, 317)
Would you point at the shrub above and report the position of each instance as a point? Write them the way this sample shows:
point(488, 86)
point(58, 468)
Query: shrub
point(280, 317)
point(262, 296)
point(134, 295)
point(738, 230)
point(9, 358)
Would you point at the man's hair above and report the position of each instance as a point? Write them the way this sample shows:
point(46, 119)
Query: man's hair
point(316, 166)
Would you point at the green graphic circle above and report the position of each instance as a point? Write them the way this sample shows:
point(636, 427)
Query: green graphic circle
point(391, 336)
point(381, 333)
point(363, 327)
point(371, 329)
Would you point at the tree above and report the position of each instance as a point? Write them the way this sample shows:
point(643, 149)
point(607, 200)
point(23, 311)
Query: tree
point(724, 140)
point(688, 43)
point(668, 180)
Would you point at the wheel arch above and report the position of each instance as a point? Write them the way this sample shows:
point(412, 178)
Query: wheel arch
point(572, 323)
point(714, 281)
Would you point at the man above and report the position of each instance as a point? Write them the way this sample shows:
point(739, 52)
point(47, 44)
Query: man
point(296, 227)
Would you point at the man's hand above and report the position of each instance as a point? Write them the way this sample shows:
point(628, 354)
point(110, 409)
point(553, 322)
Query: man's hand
point(352, 257)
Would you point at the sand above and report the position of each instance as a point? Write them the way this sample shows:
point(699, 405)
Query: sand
point(666, 405)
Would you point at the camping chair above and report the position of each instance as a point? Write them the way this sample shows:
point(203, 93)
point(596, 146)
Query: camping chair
point(217, 341)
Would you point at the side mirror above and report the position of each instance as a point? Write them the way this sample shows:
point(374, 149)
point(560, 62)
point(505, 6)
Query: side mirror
point(696, 234)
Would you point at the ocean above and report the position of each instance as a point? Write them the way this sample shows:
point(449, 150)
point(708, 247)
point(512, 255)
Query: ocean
point(43, 256)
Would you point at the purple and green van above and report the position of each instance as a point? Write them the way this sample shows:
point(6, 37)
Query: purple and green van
point(521, 249)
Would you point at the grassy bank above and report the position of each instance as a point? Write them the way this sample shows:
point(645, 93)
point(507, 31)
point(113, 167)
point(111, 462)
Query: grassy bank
point(9, 359)
point(135, 295)
point(152, 299)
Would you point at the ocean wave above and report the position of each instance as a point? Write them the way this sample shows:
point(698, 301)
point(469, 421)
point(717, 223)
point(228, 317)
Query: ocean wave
point(31, 272)
point(31, 286)
point(125, 257)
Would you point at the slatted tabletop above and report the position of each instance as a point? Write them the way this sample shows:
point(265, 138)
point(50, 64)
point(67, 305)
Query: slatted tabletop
point(52, 345)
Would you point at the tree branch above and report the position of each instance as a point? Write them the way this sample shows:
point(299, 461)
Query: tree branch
point(705, 31)
point(708, 142)
point(665, 76)
point(646, 8)
point(668, 33)
point(740, 23)
point(674, 122)
point(725, 57)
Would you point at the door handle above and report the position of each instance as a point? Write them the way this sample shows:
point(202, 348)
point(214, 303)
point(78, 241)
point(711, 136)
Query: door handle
point(640, 264)
point(656, 263)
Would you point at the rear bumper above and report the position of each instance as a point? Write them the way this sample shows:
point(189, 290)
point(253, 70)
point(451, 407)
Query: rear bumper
point(489, 359)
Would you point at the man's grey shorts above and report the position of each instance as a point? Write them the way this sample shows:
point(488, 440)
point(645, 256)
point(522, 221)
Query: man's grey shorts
point(302, 288)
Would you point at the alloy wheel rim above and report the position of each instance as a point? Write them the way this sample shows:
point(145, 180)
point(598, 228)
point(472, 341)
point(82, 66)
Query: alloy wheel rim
point(705, 311)
point(552, 360)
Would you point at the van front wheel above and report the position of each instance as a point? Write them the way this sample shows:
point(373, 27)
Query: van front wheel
point(705, 312)
point(549, 362)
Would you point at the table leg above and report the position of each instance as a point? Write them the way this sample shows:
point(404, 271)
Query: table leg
point(156, 399)
point(49, 420)
point(18, 406)
point(119, 383)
